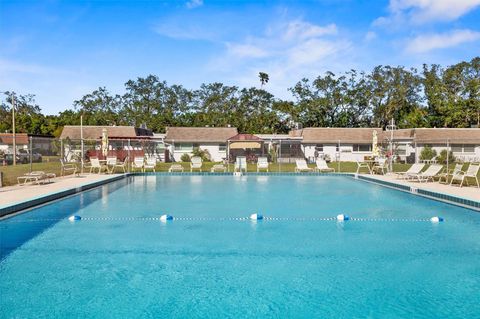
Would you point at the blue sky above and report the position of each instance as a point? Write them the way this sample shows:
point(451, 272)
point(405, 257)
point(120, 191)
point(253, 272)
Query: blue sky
point(61, 50)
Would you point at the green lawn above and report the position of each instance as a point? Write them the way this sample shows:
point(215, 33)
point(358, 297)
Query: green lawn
point(10, 173)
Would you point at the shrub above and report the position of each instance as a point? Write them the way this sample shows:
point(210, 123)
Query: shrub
point(442, 158)
point(203, 154)
point(185, 158)
point(427, 153)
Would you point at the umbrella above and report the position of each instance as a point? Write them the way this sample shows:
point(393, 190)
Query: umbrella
point(104, 142)
point(375, 151)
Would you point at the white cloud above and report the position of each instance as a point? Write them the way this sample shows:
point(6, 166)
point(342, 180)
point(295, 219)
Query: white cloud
point(370, 35)
point(287, 51)
point(428, 42)
point(422, 11)
point(192, 4)
point(245, 50)
point(303, 30)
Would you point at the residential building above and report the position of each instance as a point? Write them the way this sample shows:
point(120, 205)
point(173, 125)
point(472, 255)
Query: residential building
point(183, 140)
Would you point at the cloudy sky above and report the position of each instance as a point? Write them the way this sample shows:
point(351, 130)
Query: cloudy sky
point(61, 50)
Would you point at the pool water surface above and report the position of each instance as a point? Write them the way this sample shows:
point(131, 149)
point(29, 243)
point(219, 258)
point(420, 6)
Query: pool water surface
point(207, 264)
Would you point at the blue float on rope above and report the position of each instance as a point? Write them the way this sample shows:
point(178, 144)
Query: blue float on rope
point(74, 218)
point(256, 217)
point(166, 217)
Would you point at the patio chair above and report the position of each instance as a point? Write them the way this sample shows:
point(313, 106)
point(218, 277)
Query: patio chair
point(138, 163)
point(176, 168)
point(35, 177)
point(450, 172)
point(68, 167)
point(96, 165)
point(262, 163)
point(414, 169)
point(240, 164)
point(196, 163)
point(472, 172)
point(110, 164)
point(122, 165)
point(301, 166)
point(428, 175)
point(433, 160)
point(322, 166)
point(361, 165)
point(150, 163)
point(218, 167)
point(380, 166)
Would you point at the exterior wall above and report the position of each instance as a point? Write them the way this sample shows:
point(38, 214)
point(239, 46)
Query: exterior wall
point(346, 153)
point(213, 148)
point(469, 157)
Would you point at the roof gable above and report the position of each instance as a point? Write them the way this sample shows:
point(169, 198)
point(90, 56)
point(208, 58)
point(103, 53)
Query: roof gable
point(200, 134)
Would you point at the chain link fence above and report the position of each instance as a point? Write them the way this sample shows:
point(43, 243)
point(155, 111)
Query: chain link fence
point(46, 154)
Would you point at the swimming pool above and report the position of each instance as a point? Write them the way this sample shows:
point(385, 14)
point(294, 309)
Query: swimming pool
point(207, 264)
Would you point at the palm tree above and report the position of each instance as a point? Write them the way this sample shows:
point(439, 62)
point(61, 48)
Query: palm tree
point(263, 78)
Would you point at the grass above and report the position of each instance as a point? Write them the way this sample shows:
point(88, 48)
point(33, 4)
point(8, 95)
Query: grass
point(52, 165)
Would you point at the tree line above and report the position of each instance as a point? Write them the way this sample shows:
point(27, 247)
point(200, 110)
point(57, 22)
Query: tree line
point(434, 96)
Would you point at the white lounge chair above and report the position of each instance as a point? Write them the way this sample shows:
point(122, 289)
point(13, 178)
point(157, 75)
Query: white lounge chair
point(35, 177)
point(111, 162)
point(240, 164)
point(472, 172)
point(322, 166)
point(150, 163)
point(380, 166)
point(196, 163)
point(218, 167)
point(262, 163)
point(429, 174)
point(447, 173)
point(68, 167)
point(301, 166)
point(413, 170)
point(176, 168)
point(95, 165)
point(122, 165)
point(138, 164)
point(361, 165)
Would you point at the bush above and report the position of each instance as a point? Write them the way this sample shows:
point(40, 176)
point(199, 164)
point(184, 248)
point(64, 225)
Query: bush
point(185, 158)
point(442, 158)
point(203, 154)
point(427, 153)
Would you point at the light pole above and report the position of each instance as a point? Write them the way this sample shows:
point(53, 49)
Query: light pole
point(14, 141)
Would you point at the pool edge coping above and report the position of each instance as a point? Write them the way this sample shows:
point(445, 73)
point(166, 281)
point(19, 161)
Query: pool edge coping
point(8, 210)
point(422, 192)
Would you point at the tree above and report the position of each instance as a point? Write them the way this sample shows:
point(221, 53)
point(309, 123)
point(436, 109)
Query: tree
point(263, 79)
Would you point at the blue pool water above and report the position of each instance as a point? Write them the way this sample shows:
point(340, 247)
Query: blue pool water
point(53, 268)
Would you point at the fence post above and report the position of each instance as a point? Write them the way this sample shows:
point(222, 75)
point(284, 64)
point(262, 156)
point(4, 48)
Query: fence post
point(30, 151)
point(280, 156)
point(128, 155)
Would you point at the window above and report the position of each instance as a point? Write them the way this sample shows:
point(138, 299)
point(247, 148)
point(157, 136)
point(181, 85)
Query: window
point(186, 147)
point(222, 147)
point(401, 150)
point(457, 148)
point(362, 147)
point(319, 148)
point(469, 148)
point(463, 148)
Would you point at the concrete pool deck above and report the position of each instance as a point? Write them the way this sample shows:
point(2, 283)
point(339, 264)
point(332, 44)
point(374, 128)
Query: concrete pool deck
point(467, 192)
point(14, 198)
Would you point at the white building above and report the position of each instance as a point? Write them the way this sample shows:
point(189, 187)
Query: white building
point(463, 142)
point(337, 144)
point(183, 140)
